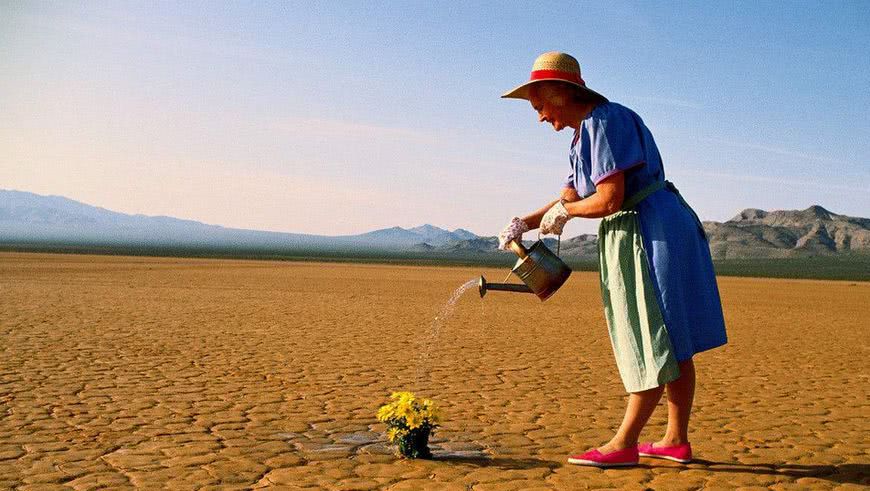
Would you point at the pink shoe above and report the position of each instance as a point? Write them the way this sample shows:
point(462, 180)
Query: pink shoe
point(619, 458)
point(678, 453)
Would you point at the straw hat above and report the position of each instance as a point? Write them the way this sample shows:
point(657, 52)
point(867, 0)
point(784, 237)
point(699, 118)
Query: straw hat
point(557, 66)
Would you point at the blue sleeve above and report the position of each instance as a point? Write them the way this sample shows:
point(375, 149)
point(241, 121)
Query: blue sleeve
point(615, 142)
point(569, 181)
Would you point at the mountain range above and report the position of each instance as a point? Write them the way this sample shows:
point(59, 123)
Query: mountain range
point(809, 232)
point(28, 218)
point(31, 218)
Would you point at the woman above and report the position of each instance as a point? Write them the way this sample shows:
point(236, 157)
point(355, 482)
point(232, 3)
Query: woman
point(657, 282)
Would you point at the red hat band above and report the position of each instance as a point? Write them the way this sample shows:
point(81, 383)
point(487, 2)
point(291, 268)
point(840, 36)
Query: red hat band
point(558, 74)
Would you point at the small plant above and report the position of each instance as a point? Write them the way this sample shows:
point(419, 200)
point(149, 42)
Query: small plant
point(410, 421)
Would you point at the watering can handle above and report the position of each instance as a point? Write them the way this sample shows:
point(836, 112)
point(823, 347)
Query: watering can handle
point(558, 242)
point(518, 248)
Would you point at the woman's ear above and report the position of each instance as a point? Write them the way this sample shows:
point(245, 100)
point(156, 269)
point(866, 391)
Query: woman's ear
point(558, 100)
point(553, 94)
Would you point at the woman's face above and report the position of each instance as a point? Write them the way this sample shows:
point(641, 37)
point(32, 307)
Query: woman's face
point(553, 105)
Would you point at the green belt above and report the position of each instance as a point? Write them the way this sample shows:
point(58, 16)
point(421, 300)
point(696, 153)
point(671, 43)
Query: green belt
point(641, 195)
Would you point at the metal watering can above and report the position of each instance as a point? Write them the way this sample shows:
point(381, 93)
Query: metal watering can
point(542, 271)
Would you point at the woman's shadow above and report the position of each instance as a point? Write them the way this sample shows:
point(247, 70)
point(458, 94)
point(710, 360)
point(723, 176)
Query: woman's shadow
point(839, 473)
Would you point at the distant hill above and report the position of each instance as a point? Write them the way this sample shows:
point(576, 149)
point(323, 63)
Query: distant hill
point(788, 233)
point(27, 218)
point(32, 218)
point(398, 236)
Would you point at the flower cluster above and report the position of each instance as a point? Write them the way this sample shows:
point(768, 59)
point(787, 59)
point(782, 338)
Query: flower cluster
point(410, 421)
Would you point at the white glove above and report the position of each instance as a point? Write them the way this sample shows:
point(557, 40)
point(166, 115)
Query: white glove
point(554, 220)
point(513, 231)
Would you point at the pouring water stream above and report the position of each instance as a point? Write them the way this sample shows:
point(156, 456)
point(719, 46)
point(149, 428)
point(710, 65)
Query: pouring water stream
point(436, 324)
point(542, 273)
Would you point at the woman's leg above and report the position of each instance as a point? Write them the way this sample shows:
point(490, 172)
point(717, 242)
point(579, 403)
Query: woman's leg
point(681, 393)
point(640, 407)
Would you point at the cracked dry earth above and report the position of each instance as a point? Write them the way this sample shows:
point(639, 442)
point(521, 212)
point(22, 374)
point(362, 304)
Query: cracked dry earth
point(120, 372)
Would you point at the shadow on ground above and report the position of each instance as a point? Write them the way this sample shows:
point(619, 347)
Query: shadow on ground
point(842, 473)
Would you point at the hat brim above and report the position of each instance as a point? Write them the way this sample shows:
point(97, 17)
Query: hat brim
point(522, 92)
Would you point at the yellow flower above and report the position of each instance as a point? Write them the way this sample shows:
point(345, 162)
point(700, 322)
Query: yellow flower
point(394, 434)
point(386, 412)
point(405, 412)
point(402, 396)
point(431, 412)
point(414, 420)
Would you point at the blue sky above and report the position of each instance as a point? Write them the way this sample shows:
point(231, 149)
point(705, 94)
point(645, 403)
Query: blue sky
point(343, 117)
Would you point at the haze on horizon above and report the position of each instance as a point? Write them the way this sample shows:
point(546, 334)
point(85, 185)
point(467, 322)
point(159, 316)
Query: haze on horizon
point(340, 119)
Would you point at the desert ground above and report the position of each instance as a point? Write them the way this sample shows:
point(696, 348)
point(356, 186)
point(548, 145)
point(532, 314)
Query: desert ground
point(136, 372)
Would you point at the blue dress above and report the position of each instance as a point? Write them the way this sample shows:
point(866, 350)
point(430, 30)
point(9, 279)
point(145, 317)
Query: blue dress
point(613, 139)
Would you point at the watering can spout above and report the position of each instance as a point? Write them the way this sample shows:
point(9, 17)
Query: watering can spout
point(483, 286)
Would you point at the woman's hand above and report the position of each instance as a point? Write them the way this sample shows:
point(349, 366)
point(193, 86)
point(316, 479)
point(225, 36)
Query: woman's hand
point(513, 231)
point(555, 219)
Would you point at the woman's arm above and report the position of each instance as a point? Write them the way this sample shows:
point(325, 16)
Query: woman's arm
point(570, 194)
point(607, 200)
point(534, 220)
